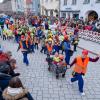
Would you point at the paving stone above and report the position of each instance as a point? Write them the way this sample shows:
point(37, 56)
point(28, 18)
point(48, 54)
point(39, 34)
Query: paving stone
point(43, 85)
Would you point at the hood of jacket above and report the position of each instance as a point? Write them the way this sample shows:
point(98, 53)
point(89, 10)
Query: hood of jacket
point(7, 96)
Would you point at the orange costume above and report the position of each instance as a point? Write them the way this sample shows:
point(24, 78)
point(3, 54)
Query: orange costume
point(49, 48)
point(80, 66)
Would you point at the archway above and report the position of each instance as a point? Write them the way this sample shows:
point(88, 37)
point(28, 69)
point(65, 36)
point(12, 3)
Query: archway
point(92, 15)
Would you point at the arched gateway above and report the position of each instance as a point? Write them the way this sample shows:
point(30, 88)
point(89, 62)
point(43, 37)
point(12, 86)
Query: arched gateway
point(91, 15)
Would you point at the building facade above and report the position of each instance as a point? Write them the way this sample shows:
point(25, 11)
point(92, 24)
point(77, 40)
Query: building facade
point(18, 5)
point(88, 9)
point(5, 6)
point(32, 7)
point(49, 7)
point(12, 6)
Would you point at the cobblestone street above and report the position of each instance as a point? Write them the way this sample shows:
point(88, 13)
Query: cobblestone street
point(43, 85)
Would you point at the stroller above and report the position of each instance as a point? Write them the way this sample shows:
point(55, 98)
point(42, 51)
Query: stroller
point(58, 69)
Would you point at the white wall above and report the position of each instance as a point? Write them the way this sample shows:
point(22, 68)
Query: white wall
point(15, 5)
point(84, 8)
point(92, 6)
point(49, 5)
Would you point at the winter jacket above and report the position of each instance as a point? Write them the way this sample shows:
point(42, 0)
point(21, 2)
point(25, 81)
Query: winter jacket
point(20, 96)
point(4, 80)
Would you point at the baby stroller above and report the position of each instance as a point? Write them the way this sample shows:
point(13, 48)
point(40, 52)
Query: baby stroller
point(58, 69)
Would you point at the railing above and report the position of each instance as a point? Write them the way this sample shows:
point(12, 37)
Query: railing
point(87, 35)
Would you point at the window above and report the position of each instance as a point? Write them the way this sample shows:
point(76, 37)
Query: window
point(86, 2)
point(64, 14)
point(97, 1)
point(65, 2)
point(74, 2)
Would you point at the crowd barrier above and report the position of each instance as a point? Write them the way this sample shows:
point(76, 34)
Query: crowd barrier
point(87, 35)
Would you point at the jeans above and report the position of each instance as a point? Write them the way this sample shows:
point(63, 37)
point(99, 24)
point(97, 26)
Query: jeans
point(79, 78)
point(29, 96)
point(67, 57)
point(43, 50)
point(25, 59)
point(4, 37)
point(75, 47)
point(32, 47)
point(56, 49)
point(36, 46)
point(16, 38)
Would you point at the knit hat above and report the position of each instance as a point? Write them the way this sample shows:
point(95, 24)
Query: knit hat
point(85, 52)
point(22, 37)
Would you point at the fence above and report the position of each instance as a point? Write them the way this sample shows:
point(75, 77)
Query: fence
point(87, 35)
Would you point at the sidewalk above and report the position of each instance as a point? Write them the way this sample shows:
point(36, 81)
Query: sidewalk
point(91, 46)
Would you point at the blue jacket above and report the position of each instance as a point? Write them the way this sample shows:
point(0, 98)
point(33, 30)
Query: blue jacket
point(66, 45)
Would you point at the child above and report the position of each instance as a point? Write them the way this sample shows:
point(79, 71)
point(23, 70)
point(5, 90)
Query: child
point(56, 58)
point(63, 65)
point(12, 64)
point(75, 43)
point(4, 34)
point(36, 40)
point(49, 46)
point(43, 49)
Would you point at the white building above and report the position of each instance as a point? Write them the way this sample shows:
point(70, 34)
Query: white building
point(32, 6)
point(5, 6)
point(20, 6)
point(89, 9)
point(49, 7)
point(11, 6)
point(17, 5)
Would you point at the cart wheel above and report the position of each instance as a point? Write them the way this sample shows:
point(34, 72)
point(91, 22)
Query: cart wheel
point(63, 75)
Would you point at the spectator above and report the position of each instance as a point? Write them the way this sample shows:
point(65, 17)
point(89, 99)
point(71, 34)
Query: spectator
point(3, 56)
point(4, 75)
point(16, 91)
point(12, 68)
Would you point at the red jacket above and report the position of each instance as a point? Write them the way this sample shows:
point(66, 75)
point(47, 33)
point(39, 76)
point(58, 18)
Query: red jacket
point(4, 57)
